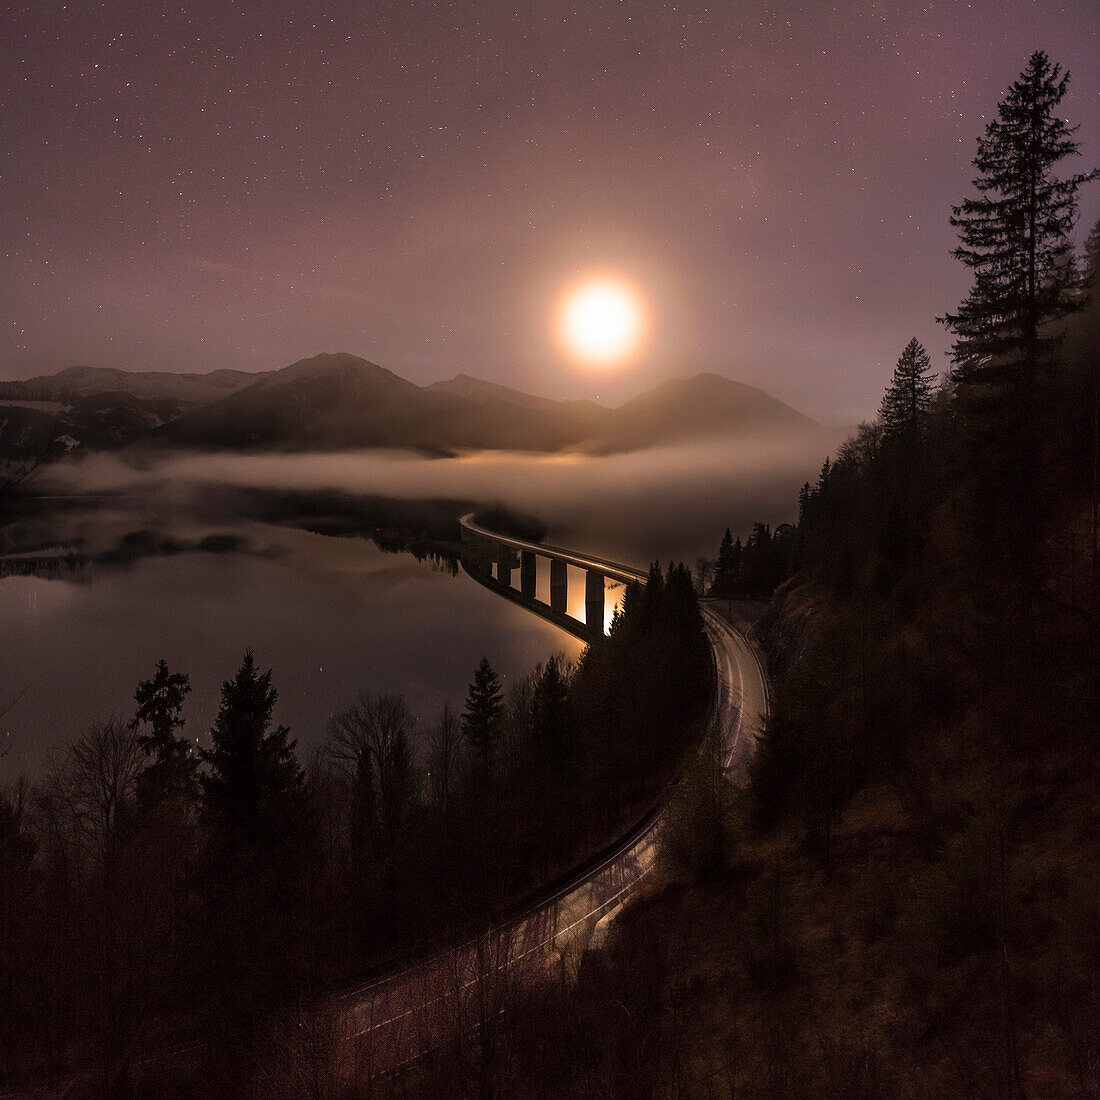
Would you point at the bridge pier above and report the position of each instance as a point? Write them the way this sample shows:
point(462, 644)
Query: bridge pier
point(593, 602)
point(559, 586)
point(527, 574)
point(506, 562)
point(484, 551)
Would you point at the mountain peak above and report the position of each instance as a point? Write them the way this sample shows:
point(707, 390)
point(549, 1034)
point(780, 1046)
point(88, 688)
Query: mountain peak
point(339, 369)
point(465, 385)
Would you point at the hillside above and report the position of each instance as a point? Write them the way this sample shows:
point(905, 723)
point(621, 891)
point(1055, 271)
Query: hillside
point(697, 408)
point(99, 408)
point(97, 421)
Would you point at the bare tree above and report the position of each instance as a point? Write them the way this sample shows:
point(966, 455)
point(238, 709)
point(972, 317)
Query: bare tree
point(95, 783)
point(704, 574)
point(372, 745)
point(18, 845)
point(13, 474)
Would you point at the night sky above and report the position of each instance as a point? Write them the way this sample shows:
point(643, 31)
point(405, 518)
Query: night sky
point(192, 186)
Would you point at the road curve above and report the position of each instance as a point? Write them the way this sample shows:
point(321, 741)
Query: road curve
point(613, 569)
point(742, 687)
point(394, 1019)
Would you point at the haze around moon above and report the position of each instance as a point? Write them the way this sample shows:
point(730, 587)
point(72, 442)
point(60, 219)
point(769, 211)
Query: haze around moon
point(601, 322)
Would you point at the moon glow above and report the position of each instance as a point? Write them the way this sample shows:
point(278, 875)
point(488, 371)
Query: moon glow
point(601, 322)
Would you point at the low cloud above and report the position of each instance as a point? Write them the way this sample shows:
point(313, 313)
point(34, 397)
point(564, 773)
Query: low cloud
point(662, 502)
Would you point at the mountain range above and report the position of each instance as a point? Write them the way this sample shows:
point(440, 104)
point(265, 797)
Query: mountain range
point(340, 401)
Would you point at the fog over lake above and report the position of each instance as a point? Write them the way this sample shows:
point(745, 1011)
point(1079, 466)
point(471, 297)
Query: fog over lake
point(332, 616)
point(661, 502)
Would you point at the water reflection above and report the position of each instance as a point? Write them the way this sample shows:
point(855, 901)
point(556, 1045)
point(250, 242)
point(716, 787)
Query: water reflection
point(329, 616)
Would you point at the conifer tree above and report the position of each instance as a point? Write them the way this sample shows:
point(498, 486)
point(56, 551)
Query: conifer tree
point(171, 773)
point(1092, 258)
point(911, 394)
point(254, 784)
point(549, 713)
point(725, 572)
point(1016, 236)
point(482, 717)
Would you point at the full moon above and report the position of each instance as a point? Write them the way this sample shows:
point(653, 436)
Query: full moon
point(601, 322)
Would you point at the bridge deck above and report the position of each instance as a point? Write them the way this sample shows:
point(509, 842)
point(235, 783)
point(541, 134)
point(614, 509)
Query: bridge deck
point(614, 570)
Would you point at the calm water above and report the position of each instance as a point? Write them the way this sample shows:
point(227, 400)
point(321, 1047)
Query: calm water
point(330, 617)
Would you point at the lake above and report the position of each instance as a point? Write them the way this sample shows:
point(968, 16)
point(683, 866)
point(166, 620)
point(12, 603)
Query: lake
point(330, 617)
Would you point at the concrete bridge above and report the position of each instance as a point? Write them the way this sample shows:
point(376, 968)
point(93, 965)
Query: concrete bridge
point(491, 559)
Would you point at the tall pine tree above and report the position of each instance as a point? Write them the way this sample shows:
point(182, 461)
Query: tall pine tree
point(253, 790)
point(1016, 236)
point(170, 774)
point(549, 714)
point(725, 573)
point(482, 717)
point(911, 394)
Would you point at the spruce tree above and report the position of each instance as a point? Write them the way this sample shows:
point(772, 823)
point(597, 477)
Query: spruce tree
point(1016, 237)
point(911, 394)
point(725, 573)
point(482, 716)
point(549, 714)
point(253, 788)
point(171, 772)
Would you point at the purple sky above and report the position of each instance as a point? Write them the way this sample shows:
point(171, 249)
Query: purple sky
point(189, 186)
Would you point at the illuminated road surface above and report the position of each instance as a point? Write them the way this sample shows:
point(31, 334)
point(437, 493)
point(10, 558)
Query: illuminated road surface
point(396, 1019)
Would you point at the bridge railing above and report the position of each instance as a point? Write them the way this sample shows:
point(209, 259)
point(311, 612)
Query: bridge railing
point(485, 550)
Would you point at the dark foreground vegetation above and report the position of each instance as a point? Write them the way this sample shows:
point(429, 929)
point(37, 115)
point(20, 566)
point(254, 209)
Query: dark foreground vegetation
point(156, 896)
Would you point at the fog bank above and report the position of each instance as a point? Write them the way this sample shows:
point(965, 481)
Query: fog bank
point(663, 502)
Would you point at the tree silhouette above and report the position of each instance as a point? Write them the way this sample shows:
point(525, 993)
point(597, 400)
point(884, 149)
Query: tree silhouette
point(252, 790)
point(725, 573)
point(909, 398)
point(171, 773)
point(549, 714)
point(1092, 256)
point(1016, 236)
point(96, 783)
point(482, 716)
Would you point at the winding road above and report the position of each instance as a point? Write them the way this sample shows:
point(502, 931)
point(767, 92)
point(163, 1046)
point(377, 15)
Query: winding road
point(392, 1021)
